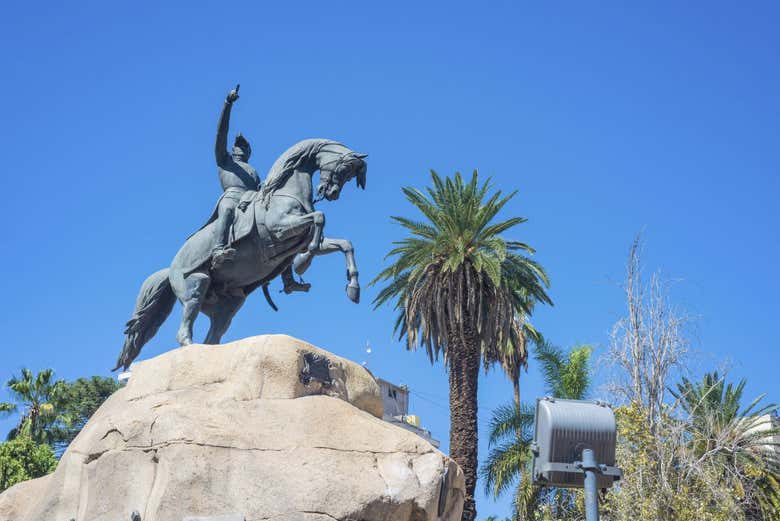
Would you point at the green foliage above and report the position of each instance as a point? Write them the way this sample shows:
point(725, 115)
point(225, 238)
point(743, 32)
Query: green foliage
point(733, 443)
point(77, 402)
point(454, 271)
point(655, 484)
point(51, 414)
point(711, 403)
point(511, 433)
point(566, 375)
point(55, 411)
point(35, 398)
point(712, 462)
point(22, 458)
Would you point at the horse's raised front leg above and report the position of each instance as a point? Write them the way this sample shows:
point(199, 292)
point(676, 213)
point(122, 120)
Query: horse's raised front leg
point(291, 225)
point(327, 245)
point(196, 286)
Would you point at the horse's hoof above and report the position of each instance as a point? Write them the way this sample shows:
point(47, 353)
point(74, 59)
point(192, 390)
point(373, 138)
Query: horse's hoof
point(353, 293)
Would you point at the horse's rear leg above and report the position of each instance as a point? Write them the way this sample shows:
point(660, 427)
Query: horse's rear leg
point(196, 286)
point(221, 314)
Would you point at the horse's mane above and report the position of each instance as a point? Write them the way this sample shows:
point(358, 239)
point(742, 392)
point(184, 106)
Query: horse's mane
point(295, 156)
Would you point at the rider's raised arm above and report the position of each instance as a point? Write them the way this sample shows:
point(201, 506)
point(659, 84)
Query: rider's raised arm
point(220, 148)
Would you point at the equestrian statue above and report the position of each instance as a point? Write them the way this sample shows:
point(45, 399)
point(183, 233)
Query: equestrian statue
point(258, 231)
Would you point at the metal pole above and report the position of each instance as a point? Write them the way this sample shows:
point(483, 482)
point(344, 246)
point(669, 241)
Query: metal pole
point(591, 468)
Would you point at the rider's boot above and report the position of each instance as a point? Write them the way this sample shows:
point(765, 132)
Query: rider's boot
point(290, 284)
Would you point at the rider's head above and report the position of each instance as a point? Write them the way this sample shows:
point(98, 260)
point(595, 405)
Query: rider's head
point(241, 149)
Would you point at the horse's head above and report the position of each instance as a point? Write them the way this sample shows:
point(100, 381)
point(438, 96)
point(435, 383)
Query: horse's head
point(337, 172)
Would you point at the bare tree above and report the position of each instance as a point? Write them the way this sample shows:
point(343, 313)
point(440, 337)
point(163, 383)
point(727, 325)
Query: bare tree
point(650, 343)
point(648, 346)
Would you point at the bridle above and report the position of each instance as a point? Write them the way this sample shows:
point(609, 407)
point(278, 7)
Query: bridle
point(327, 174)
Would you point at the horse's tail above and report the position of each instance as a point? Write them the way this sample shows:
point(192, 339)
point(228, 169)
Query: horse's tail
point(154, 304)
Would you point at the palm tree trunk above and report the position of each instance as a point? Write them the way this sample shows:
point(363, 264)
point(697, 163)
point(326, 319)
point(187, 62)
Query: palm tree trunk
point(516, 369)
point(463, 375)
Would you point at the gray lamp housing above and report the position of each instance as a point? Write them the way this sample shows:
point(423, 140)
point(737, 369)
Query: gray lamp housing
point(562, 430)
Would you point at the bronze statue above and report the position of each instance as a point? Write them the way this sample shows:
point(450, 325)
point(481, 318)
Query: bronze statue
point(254, 235)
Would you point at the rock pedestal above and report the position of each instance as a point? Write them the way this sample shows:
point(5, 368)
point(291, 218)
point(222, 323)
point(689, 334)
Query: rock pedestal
point(265, 428)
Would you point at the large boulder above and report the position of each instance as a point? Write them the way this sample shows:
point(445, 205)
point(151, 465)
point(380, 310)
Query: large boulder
point(265, 428)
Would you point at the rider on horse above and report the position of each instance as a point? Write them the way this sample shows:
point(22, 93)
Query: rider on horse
point(236, 176)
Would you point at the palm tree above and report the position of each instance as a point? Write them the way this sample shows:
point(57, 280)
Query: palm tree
point(566, 375)
point(37, 396)
point(457, 286)
point(511, 435)
point(731, 440)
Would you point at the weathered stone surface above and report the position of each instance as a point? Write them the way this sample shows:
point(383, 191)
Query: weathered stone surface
point(232, 430)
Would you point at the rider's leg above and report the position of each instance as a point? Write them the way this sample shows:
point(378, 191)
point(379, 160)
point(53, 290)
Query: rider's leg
point(197, 284)
point(225, 213)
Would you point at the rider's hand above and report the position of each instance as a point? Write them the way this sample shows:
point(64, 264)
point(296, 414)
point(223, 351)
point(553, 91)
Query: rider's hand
point(233, 95)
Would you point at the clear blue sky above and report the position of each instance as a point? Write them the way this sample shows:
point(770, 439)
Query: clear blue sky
point(608, 118)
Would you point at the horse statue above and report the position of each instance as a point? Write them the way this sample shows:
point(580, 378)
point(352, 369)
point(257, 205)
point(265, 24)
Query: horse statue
point(274, 228)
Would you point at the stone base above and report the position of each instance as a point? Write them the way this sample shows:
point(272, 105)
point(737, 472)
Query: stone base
point(265, 428)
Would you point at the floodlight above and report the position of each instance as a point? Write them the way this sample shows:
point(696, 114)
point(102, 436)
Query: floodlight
point(574, 447)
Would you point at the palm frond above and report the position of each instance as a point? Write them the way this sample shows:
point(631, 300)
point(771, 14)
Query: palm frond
point(507, 421)
point(504, 465)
